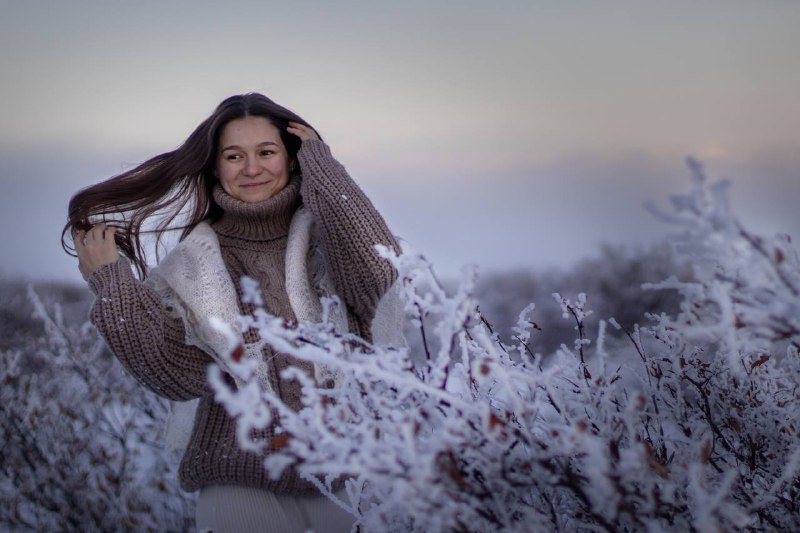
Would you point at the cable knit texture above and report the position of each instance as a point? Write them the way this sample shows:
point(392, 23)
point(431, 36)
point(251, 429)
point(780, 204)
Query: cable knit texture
point(252, 239)
point(338, 203)
point(150, 339)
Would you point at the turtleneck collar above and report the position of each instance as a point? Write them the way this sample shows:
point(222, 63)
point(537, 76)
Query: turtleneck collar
point(260, 221)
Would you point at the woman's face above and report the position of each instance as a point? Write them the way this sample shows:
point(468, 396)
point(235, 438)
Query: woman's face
point(252, 163)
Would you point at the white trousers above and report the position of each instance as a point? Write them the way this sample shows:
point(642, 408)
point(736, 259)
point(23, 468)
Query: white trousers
point(231, 509)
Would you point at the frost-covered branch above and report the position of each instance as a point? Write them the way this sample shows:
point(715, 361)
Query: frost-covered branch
point(79, 438)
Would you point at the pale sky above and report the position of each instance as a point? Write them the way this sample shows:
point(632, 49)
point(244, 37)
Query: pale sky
point(500, 134)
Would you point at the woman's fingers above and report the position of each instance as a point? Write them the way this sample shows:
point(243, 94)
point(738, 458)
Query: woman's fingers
point(77, 239)
point(301, 130)
point(108, 234)
point(96, 234)
point(296, 131)
point(95, 248)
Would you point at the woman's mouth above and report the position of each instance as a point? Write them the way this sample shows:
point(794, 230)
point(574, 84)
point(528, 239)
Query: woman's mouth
point(252, 185)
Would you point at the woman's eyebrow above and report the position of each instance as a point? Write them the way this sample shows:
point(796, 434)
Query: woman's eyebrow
point(237, 147)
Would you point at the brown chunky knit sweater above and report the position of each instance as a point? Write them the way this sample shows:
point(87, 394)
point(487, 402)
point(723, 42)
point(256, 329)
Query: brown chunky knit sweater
point(150, 343)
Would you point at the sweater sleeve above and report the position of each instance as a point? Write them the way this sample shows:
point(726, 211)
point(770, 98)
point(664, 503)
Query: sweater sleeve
point(148, 341)
point(349, 227)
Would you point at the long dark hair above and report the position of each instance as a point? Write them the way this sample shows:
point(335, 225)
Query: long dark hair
point(165, 184)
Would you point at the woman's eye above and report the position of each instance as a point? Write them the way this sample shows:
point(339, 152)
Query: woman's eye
point(266, 153)
point(232, 157)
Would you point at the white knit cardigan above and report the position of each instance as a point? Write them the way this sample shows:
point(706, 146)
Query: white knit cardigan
point(195, 285)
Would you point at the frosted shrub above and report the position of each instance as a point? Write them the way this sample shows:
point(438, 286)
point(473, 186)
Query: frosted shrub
point(611, 279)
point(80, 439)
point(692, 424)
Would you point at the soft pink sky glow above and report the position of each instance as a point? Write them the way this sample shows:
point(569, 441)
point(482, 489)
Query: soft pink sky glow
point(475, 128)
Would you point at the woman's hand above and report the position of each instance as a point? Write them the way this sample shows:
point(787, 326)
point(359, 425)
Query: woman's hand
point(95, 248)
point(301, 130)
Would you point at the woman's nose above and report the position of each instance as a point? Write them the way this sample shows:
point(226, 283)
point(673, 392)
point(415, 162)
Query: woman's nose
point(251, 168)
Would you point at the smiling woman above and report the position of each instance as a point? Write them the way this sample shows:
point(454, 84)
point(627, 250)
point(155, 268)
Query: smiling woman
point(267, 200)
point(253, 164)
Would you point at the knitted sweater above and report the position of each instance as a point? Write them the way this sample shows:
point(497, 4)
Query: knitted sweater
point(151, 342)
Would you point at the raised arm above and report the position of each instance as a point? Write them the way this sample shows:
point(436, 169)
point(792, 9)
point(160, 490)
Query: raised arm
point(149, 341)
point(349, 227)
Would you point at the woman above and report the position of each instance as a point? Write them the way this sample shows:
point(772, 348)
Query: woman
point(258, 180)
